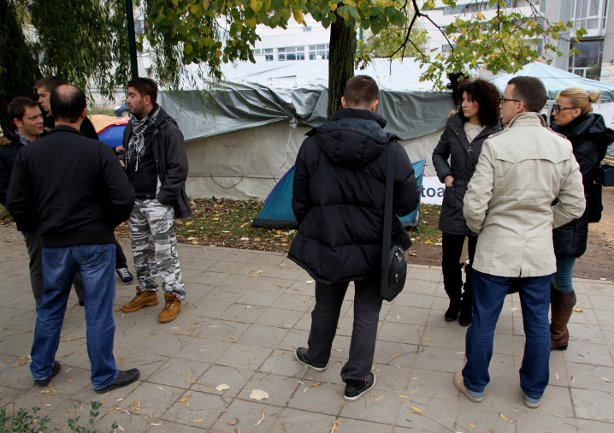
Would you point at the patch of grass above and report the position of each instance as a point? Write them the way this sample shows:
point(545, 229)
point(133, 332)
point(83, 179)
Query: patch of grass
point(224, 222)
point(427, 231)
point(228, 223)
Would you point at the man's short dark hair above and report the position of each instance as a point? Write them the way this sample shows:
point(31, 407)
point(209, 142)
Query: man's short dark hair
point(145, 87)
point(67, 103)
point(360, 90)
point(17, 107)
point(50, 83)
point(531, 91)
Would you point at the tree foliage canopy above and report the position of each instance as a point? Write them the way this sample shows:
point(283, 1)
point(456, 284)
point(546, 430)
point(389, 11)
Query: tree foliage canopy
point(505, 41)
point(183, 32)
point(493, 36)
point(85, 42)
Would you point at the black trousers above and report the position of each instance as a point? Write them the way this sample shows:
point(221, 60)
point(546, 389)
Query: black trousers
point(452, 250)
point(324, 320)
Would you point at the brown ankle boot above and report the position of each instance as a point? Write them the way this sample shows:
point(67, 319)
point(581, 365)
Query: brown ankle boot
point(142, 299)
point(171, 309)
point(561, 304)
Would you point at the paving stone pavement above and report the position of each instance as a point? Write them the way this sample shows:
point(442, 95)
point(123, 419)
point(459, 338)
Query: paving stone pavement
point(246, 313)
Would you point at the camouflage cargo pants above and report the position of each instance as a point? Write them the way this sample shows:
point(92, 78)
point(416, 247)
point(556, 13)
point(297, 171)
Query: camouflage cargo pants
point(154, 247)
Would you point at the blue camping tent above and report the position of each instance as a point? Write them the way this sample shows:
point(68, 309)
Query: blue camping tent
point(277, 209)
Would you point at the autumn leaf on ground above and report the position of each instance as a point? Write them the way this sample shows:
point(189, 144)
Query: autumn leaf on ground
point(222, 387)
point(258, 394)
point(185, 399)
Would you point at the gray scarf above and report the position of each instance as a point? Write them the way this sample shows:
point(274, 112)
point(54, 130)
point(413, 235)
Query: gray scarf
point(136, 145)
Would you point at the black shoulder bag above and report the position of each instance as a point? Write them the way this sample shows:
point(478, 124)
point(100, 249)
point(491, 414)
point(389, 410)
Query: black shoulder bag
point(393, 266)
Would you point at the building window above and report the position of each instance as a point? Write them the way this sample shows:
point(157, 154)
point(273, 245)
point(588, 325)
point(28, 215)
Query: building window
point(291, 53)
point(268, 54)
point(587, 62)
point(590, 14)
point(319, 51)
point(446, 48)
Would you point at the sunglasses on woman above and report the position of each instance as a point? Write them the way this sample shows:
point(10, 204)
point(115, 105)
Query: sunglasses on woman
point(558, 108)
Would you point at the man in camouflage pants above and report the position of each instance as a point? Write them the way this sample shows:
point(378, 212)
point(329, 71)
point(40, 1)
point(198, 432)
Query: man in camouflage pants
point(157, 166)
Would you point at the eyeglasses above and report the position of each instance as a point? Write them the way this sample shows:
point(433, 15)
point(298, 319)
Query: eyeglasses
point(504, 99)
point(558, 108)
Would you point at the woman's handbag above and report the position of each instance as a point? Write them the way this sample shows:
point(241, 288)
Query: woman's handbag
point(393, 266)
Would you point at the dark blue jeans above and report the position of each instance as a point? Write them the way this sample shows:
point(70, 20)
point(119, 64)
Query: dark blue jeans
point(324, 319)
point(488, 295)
point(96, 264)
point(564, 271)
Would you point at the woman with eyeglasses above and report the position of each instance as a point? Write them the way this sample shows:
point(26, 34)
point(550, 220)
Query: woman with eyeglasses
point(454, 159)
point(589, 136)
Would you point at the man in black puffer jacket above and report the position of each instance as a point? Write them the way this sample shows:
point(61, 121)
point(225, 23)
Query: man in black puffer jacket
point(338, 199)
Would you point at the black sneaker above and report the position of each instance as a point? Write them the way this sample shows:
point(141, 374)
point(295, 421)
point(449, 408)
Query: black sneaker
point(124, 275)
point(125, 377)
point(54, 371)
point(355, 388)
point(302, 356)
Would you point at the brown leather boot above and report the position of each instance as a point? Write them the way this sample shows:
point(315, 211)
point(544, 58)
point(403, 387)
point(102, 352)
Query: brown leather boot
point(561, 304)
point(171, 309)
point(142, 299)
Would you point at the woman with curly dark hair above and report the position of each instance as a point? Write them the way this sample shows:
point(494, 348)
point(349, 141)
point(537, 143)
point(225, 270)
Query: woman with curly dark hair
point(454, 159)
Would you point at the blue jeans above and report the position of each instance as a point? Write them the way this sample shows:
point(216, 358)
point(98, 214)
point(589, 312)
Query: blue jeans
point(488, 295)
point(564, 270)
point(97, 265)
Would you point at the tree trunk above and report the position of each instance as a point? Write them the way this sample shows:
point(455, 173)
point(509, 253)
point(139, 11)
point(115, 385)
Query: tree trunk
point(18, 68)
point(342, 50)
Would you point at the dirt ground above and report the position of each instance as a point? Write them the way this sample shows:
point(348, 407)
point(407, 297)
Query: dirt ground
point(596, 263)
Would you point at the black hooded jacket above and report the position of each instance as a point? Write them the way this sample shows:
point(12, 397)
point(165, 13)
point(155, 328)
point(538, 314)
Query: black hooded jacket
point(590, 138)
point(338, 197)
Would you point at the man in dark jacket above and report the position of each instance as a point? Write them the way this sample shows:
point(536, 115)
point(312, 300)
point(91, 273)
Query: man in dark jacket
point(27, 119)
point(157, 167)
point(72, 191)
point(43, 89)
point(338, 199)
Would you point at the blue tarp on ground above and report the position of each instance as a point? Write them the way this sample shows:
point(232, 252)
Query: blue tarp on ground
point(112, 134)
point(277, 211)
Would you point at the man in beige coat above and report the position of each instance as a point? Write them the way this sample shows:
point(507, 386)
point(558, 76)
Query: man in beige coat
point(526, 183)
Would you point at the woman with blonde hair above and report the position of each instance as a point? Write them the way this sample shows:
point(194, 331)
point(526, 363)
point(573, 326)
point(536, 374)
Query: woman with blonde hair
point(589, 136)
point(454, 159)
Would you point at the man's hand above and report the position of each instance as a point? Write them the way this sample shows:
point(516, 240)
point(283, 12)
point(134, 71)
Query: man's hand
point(448, 181)
point(120, 152)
